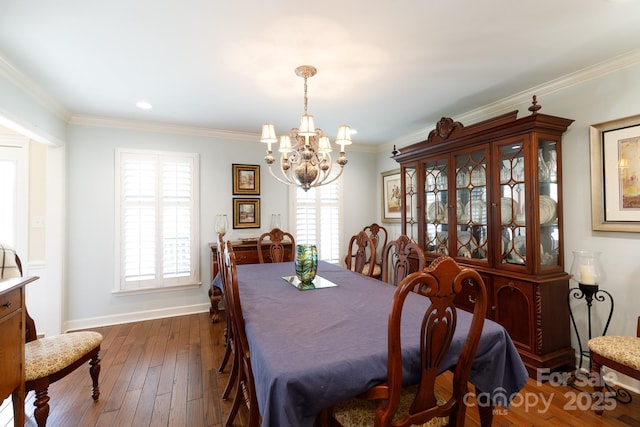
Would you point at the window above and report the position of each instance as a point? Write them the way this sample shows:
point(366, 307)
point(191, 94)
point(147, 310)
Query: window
point(157, 212)
point(317, 215)
point(14, 176)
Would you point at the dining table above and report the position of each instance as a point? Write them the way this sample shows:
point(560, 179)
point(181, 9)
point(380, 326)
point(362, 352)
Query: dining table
point(311, 349)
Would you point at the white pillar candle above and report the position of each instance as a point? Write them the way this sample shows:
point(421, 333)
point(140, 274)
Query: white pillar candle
point(587, 275)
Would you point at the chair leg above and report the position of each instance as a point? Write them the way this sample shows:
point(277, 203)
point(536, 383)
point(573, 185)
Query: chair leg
point(233, 375)
point(238, 398)
point(41, 403)
point(94, 371)
point(598, 382)
point(227, 353)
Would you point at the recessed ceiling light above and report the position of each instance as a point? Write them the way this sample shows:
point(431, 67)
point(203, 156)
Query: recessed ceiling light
point(353, 131)
point(144, 105)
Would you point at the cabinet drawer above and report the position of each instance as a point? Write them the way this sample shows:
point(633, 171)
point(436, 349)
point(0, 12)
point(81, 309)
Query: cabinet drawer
point(10, 302)
point(246, 257)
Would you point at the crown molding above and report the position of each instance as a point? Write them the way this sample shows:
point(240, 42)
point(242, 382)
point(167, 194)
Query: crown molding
point(162, 128)
point(512, 102)
point(24, 83)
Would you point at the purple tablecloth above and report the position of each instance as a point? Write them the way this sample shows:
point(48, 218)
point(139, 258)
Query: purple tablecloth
point(311, 349)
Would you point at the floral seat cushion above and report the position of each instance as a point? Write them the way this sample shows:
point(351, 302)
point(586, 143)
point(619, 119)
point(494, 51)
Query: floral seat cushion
point(377, 270)
point(622, 349)
point(48, 355)
point(360, 413)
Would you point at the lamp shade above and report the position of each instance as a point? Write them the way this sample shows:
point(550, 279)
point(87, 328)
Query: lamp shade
point(285, 144)
point(344, 135)
point(268, 133)
point(324, 145)
point(307, 127)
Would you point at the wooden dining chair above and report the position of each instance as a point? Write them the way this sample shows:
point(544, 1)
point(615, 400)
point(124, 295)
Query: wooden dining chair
point(245, 392)
point(361, 255)
point(277, 250)
point(379, 235)
point(391, 404)
point(49, 359)
point(230, 346)
point(620, 353)
point(398, 259)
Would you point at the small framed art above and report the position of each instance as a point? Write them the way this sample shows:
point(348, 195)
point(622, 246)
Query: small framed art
point(246, 179)
point(246, 213)
point(391, 203)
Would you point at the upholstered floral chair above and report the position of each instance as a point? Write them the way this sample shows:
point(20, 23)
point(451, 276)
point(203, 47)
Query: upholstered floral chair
point(620, 353)
point(51, 358)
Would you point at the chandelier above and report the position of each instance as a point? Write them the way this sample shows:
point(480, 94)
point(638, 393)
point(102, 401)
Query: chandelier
point(305, 153)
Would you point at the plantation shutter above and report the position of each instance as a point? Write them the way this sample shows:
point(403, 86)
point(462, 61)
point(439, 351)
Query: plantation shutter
point(158, 220)
point(317, 219)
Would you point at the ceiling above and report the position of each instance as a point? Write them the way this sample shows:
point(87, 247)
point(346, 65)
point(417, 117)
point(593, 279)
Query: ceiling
point(387, 68)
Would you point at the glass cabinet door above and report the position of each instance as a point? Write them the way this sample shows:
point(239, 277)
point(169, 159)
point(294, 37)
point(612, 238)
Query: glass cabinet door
point(410, 213)
point(471, 205)
point(548, 199)
point(511, 206)
point(436, 199)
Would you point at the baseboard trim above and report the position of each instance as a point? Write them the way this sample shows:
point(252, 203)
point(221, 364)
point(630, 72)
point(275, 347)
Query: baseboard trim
point(138, 316)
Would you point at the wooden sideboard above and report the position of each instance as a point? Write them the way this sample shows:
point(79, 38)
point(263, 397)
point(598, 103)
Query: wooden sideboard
point(12, 333)
point(246, 253)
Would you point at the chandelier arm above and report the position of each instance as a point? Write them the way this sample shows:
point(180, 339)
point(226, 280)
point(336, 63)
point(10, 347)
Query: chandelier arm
point(332, 179)
point(324, 174)
point(280, 179)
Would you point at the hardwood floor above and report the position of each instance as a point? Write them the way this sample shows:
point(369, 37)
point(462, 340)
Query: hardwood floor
point(164, 373)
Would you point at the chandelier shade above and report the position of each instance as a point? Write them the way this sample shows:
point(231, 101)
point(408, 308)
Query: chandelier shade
point(305, 153)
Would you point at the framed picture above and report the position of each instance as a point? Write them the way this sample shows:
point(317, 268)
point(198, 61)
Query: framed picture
point(246, 213)
point(246, 179)
point(391, 203)
point(615, 175)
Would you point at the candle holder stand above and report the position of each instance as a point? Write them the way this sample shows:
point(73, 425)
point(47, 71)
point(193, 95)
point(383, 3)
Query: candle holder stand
point(590, 293)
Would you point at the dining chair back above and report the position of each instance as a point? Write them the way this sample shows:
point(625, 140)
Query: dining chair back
point(379, 235)
point(399, 258)
point(245, 392)
point(392, 404)
point(620, 353)
point(49, 359)
point(361, 254)
point(229, 351)
point(277, 250)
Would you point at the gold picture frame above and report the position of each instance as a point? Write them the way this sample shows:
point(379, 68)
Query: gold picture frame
point(246, 179)
point(615, 175)
point(391, 192)
point(246, 213)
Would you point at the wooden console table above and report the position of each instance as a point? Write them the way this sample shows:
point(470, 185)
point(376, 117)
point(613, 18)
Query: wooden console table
point(246, 253)
point(12, 331)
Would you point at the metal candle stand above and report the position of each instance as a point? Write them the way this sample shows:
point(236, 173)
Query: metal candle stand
point(590, 293)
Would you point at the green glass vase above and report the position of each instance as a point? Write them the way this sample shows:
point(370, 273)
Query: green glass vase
point(306, 263)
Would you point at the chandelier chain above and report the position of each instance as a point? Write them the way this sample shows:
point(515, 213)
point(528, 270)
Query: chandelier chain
point(305, 95)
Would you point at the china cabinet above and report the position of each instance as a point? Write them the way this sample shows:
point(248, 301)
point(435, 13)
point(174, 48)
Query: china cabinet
point(490, 195)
